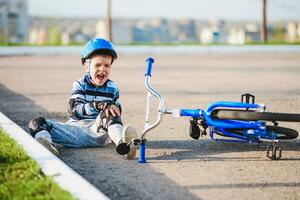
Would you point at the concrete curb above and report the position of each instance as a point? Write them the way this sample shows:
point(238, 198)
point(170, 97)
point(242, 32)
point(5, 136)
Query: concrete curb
point(167, 50)
point(66, 178)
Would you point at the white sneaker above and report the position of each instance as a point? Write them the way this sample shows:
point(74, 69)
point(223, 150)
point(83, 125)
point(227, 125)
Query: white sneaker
point(128, 134)
point(48, 145)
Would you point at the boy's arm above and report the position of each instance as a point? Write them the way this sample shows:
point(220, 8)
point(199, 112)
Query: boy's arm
point(112, 106)
point(116, 100)
point(79, 107)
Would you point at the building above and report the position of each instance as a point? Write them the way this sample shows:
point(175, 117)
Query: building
point(121, 30)
point(154, 30)
point(214, 32)
point(183, 30)
point(236, 35)
point(13, 21)
point(56, 31)
point(293, 31)
point(157, 30)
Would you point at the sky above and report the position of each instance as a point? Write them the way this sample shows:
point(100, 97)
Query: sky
point(195, 9)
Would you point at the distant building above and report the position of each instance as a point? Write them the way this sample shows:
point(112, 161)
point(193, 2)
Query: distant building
point(252, 32)
point(214, 32)
point(154, 30)
point(160, 30)
point(61, 30)
point(101, 29)
point(236, 35)
point(206, 35)
point(293, 31)
point(37, 36)
point(184, 30)
point(121, 30)
point(13, 21)
point(142, 32)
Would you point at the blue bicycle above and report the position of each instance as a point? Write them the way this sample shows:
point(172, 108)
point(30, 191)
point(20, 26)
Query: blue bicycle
point(243, 121)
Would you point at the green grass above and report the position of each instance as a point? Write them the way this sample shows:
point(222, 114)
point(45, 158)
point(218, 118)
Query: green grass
point(273, 43)
point(21, 178)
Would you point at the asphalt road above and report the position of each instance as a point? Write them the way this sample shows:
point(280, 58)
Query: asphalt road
point(178, 167)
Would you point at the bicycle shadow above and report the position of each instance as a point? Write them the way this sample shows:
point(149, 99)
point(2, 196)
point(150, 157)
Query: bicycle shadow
point(208, 150)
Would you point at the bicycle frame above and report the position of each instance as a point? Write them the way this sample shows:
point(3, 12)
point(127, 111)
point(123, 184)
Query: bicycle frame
point(253, 131)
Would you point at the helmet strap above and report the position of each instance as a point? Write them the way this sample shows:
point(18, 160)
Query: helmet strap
point(88, 72)
point(89, 65)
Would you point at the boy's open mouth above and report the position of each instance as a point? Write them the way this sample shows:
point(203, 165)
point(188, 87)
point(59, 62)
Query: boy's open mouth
point(100, 77)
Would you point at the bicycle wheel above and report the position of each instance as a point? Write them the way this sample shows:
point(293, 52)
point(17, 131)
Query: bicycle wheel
point(283, 132)
point(252, 115)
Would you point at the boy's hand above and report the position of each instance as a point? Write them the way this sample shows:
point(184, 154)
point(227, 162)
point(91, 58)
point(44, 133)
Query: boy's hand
point(114, 110)
point(108, 107)
point(101, 105)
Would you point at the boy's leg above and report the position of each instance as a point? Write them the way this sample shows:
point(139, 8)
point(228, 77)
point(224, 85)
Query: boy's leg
point(75, 136)
point(116, 132)
point(88, 124)
point(67, 135)
point(111, 126)
point(39, 128)
point(48, 144)
point(128, 134)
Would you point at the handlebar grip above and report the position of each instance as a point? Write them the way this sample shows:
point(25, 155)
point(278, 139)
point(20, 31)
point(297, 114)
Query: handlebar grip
point(149, 62)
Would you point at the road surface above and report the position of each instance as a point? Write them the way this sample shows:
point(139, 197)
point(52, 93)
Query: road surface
point(178, 167)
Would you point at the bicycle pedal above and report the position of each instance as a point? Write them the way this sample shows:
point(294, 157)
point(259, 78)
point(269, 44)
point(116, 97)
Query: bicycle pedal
point(194, 130)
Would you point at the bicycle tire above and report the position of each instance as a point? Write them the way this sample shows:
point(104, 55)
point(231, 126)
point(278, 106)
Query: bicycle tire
point(283, 133)
point(252, 115)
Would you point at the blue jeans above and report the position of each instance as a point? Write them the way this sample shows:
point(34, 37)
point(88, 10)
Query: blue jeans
point(75, 134)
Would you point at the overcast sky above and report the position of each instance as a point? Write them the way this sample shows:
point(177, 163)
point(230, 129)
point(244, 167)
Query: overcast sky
point(199, 9)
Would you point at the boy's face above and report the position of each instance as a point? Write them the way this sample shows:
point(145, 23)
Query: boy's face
point(99, 68)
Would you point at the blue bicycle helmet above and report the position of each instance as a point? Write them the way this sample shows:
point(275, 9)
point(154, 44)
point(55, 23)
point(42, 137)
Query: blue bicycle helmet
point(98, 46)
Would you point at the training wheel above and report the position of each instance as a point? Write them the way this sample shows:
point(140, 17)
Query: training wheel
point(274, 152)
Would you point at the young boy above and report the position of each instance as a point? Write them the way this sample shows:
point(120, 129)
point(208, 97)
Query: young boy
point(94, 107)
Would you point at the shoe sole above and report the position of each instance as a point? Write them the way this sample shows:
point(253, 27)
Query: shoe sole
point(48, 146)
point(130, 134)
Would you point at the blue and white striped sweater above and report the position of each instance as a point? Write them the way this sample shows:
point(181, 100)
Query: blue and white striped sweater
point(84, 92)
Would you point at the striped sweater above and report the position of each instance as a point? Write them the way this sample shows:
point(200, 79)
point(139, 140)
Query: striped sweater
point(84, 92)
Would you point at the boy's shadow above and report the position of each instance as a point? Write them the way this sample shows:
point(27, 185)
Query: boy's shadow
point(21, 109)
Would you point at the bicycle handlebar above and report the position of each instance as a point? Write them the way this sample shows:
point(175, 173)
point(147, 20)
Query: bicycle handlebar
point(149, 61)
point(151, 91)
